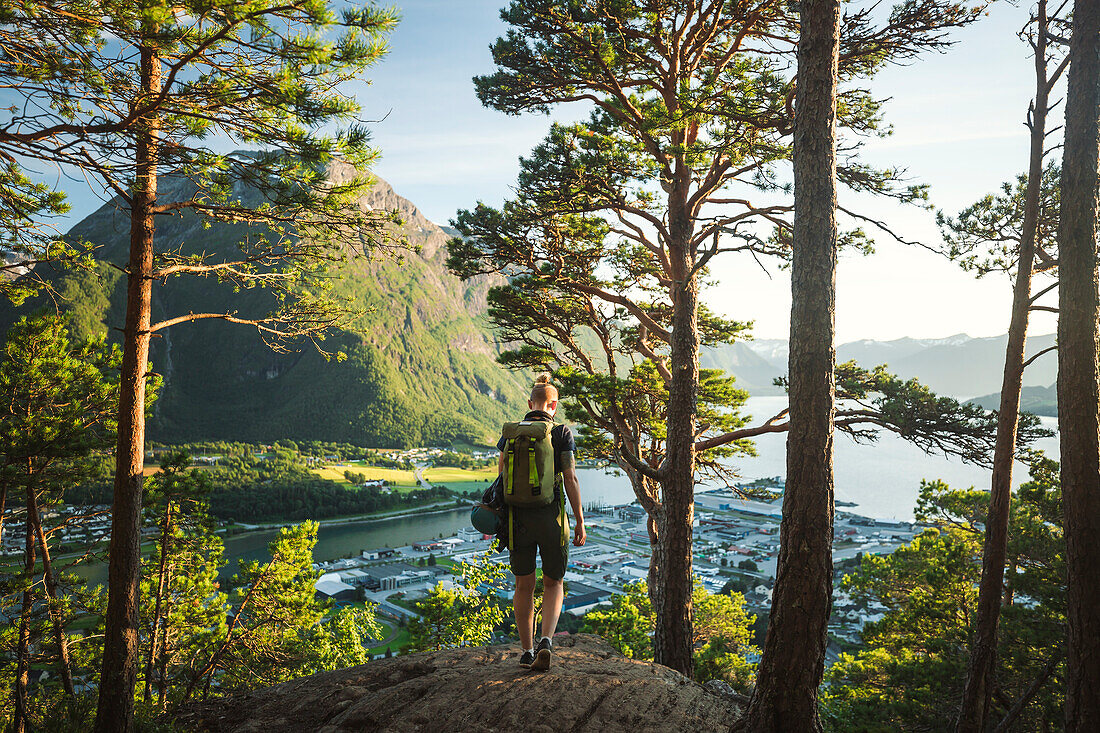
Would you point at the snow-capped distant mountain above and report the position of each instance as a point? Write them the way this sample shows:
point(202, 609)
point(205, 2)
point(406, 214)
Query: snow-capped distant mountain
point(775, 351)
point(958, 366)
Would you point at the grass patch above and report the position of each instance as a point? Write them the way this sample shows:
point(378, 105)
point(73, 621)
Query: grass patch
point(402, 638)
point(461, 487)
point(398, 477)
point(398, 599)
point(459, 475)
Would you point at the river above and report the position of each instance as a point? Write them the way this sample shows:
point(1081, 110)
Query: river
point(882, 479)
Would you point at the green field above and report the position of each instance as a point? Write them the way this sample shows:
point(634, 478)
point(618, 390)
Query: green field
point(398, 477)
point(459, 475)
point(463, 486)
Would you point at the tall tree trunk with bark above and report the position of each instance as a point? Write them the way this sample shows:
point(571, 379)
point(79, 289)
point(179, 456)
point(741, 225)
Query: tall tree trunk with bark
point(3, 503)
point(785, 698)
point(1078, 373)
point(974, 714)
point(23, 648)
point(672, 602)
point(61, 638)
point(120, 651)
point(157, 621)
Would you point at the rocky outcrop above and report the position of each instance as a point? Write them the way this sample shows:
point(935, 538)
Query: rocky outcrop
point(591, 687)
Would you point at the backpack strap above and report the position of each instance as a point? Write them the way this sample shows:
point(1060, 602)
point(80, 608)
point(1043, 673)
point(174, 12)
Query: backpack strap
point(509, 460)
point(533, 470)
point(561, 517)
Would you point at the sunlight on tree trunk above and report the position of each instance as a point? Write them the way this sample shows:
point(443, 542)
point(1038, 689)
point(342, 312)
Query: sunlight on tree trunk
point(794, 649)
point(974, 713)
point(116, 687)
point(1078, 373)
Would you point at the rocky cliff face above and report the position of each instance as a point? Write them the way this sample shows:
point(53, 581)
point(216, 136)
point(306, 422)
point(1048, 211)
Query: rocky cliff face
point(591, 687)
point(421, 358)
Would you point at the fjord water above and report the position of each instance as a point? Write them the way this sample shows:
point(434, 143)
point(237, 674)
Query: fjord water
point(882, 479)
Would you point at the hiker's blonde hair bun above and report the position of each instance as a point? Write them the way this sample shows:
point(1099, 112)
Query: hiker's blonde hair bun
point(543, 393)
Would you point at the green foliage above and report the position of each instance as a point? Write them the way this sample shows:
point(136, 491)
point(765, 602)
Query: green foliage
point(279, 629)
point(183, 610)
point(248, 486)
point(628, 624)
point(27, 240)
point(985, 237)
point(910, 674)
point(58, 396)
point(440, 623)
point(874, 399)
point(56, 418)
point(722, 631)
point(465, 615)
point(453, 459)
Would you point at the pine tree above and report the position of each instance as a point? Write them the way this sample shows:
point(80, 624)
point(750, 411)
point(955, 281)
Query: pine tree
point(183, 608)
point(463, 615)
point(623, 213)
point(911, 668)
point(56, 414)
point(278, 629)
point(141, 96)
point(1012, 233)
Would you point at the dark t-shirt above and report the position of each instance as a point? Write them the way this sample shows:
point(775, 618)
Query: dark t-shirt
point(561, 438)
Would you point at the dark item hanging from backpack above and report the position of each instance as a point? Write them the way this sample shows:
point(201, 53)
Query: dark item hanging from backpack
point(490, 515)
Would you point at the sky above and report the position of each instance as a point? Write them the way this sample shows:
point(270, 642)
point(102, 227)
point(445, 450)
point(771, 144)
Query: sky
point(958, 126)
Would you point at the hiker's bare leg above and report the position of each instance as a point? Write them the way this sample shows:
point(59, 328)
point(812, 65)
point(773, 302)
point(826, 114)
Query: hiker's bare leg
point(524, 604)
point(552, 596)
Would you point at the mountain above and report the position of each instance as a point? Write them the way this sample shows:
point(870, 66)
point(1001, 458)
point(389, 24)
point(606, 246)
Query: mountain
point(775, 351)
point(869, 351)
point(975, 366)
point(1037, 400)
point(420, 363)
point(754, 373)
point(958, 366)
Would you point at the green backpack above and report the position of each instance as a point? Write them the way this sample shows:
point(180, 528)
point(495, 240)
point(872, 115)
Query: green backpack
point(528, 463)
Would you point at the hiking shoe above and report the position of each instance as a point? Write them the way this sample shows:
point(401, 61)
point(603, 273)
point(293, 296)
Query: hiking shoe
point(543, 653)
point(526, 659)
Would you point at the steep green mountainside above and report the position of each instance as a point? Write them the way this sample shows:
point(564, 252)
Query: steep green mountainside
point(420, 365)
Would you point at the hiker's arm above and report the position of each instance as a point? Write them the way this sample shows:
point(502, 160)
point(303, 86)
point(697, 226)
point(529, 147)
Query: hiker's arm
point(573, 491)
point(500, 463)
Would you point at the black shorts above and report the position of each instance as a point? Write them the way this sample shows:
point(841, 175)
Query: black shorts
point(545, 529)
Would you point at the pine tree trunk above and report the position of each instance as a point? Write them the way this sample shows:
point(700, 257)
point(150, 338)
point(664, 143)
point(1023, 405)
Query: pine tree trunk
point(1078, 373)
point(974, 713)
point(23, 649)
point(794, 650)
point(162, 675)
point(3, 503)
point(162, 574)
point(52, 595)
point(120, 651)
point(672, 635)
